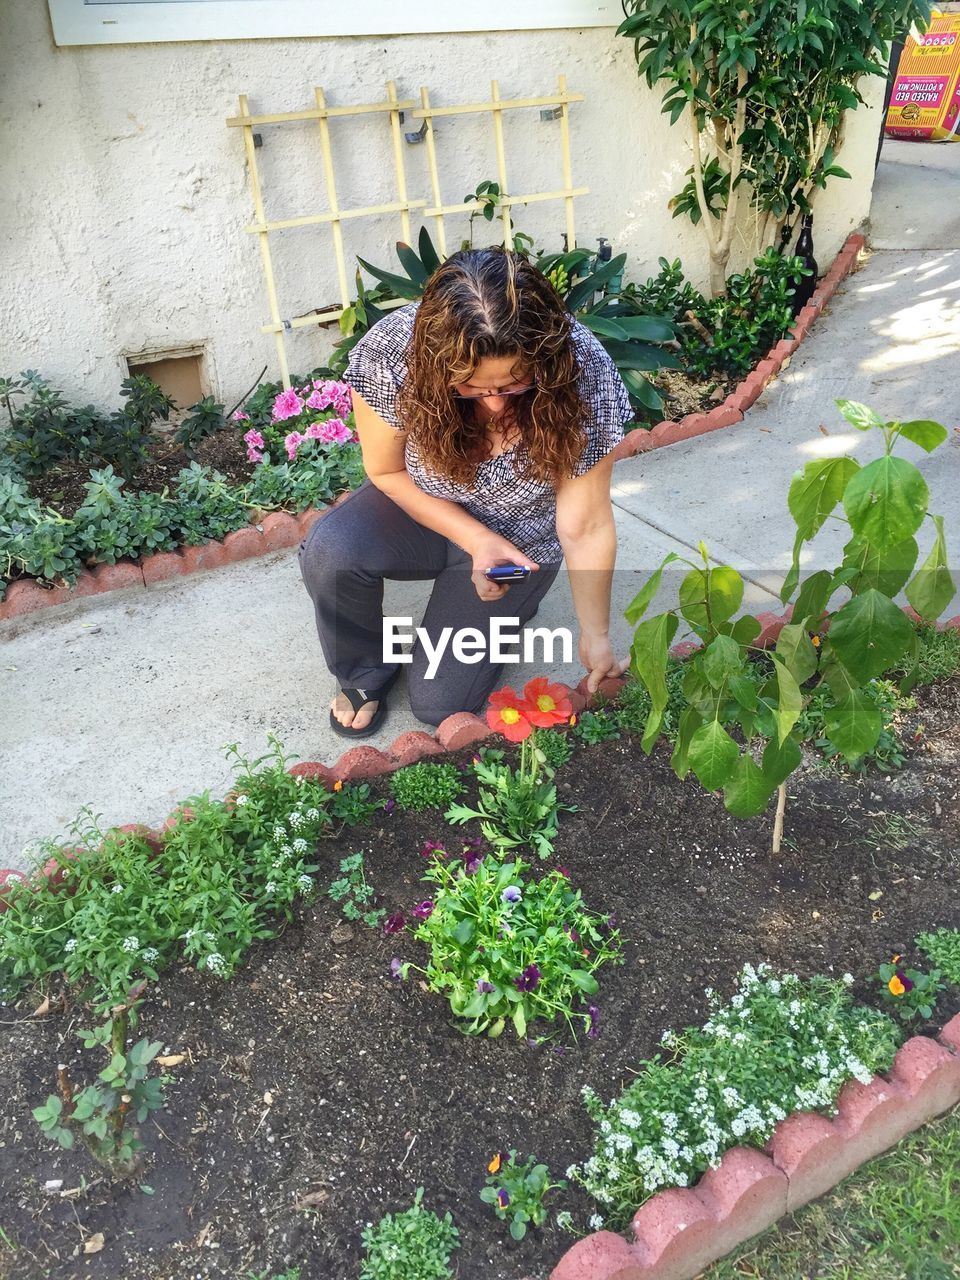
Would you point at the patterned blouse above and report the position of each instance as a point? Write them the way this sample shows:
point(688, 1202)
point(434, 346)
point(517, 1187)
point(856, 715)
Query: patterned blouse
point(522, 510)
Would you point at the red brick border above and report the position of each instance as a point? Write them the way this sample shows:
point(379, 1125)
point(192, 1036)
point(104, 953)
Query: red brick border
point(643, 440)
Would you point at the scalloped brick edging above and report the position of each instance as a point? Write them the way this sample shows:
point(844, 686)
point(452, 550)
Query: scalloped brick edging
point(680, 1231)
point(277, 530)
point(732, 409)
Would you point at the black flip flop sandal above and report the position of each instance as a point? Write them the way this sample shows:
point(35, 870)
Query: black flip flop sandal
point(359, 698)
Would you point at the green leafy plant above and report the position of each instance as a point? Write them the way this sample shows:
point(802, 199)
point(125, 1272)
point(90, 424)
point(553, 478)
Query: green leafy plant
point(596, 726)
point(352, 804)
point(206, 419)
point(556, 747)
point(517, 1191)
point(885, 504)
point(354, 894)
point(101, 1113)
point(910, 993)
point(120, 913)
point(505, 947)
point(762, 90)
point(779, 1044)
point(887, 752)
point(426, 785)
point(943, 949)
point(633, 339)
point(938, 656)
point(413, 1245)
point(45, 430)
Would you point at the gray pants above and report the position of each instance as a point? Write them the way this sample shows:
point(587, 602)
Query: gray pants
point(344, 560)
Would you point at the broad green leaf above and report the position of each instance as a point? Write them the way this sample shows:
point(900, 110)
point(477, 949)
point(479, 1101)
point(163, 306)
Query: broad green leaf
point(869, 634)
point(520, 1021)
point(816, 490)
point(813, 597)
point(837, 678)
point(928, 435)
point(911, 666)
point(744, 691)
point(647, 328)
point(886, 501)
point(796, 649)
point(642, 389)
point(709, 597)
point(790, 703)
point(853, 724)
point(402, 286)
point(412, 264)
point(748, 791)
point(641, 601)
point(648, 660)
point(585, 981)
point(583, 289)
point(932, 588)
point(745, 630)
point(713, 755)
point(721, 660)
point(779, 760)
point(464, 931)
point(859, 416)
point(690, 722)
point(884, 568)
point(638, 355)
point(604, 326)
point(428, 254)
point(789, 584)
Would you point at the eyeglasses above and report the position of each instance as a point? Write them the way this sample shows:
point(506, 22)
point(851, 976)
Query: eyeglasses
point(497, 391)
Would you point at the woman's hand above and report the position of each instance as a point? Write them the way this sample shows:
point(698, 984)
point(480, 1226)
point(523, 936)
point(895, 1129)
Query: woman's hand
point(596, 654)
point(488, 551)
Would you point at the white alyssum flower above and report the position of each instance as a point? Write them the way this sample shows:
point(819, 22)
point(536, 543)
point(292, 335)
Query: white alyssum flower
point(216, 963)
point(131, 944)
point(305, 883)
point(70, 945)
point(848, 979)
point(150, 954)
point(596, 1222)
point(295, 819)
point(300, 845)
point(279, 832)
point(270, 887)
point(117, 888)
point(242, 799)
point(313, 815)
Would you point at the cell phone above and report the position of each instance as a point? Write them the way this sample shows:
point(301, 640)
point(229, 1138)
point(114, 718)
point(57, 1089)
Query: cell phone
point(506, 572)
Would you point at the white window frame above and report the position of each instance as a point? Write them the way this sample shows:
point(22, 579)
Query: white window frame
point(125, 22)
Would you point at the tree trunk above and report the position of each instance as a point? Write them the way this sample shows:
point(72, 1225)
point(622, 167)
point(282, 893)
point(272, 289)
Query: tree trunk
point(778, 820)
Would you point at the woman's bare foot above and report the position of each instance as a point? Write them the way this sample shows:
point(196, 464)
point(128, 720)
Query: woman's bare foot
point(349, 718)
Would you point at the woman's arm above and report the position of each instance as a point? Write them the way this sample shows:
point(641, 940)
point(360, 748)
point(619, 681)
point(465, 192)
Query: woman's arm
point(384, 462)
point(588, 536)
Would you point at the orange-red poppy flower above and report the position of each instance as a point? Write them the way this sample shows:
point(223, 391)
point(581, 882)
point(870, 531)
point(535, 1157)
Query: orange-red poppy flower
point(508, 714)
point(547, 704)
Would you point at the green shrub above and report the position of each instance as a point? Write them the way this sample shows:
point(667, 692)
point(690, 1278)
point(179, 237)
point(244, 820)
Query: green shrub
point(943, 949)
point(939, 656)
point(556, 747)
point(426, 785)
point(413, 1245)
point(595, 726)
point(124, 913)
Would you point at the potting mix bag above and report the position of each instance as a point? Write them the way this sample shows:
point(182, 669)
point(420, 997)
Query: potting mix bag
point(925, 103)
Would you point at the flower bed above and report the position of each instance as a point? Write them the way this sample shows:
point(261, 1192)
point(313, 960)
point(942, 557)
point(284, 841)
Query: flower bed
point(280, 529)
point(313, 1091)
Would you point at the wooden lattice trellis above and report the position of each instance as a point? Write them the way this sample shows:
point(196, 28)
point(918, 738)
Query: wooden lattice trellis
point(393, 107)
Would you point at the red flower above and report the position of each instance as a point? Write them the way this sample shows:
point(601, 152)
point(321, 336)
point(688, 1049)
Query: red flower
point(508, 714)
point(546, 704)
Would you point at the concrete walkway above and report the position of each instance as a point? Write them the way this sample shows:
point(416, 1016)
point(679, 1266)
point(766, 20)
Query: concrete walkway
point(124, 702)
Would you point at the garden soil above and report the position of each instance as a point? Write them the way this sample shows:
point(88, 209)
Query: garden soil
point(316, 1093)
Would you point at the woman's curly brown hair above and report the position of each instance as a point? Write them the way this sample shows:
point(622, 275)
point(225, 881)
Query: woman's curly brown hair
point(481, 303)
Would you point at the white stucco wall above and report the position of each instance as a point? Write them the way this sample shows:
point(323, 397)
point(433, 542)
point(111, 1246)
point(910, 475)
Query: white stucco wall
point(126, 194)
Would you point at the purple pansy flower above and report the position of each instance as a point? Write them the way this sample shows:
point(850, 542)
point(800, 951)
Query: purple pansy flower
point(571, 933)
point(511, 893)
point(503, 1198)
point(423, 910)
point(529, 980)
point(394, 923)
point(431, 847)
point(396, 969)
point(594, 1014)
point(484, 986)
point(472, 864)
point(389, 805)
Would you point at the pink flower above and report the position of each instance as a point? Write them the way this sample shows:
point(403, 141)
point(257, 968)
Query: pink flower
point(319, 398)
point(314, 431)
point(240, 416)
point(287, 405)
point(253, 440)
point(254, 455)
point(292, 441)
